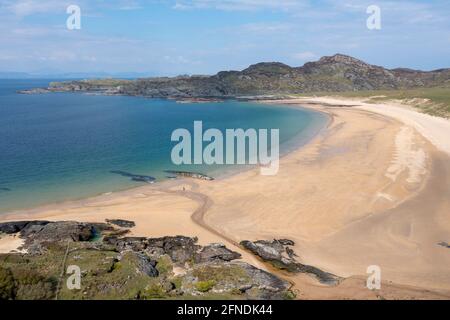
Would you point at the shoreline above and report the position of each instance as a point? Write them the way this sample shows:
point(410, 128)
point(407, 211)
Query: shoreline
point(292, 144)
point(237, 207)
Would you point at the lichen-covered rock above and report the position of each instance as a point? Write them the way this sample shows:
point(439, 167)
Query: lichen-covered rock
point(214, 252)
point(144, 264)
point(61, 231)
point(238, 278)
point(279, 254)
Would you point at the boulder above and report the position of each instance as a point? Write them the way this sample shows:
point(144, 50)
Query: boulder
point(280, 255)
point(215, 251)
point(236, 276)
point(59, 231)
point(128, 243)
point(179, 248)
point(146, 265)
point(17, 226)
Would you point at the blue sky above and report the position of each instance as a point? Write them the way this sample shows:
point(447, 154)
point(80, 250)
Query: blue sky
point(170, 37)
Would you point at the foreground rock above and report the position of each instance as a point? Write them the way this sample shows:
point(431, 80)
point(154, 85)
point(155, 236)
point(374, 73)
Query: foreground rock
point(280, 255)
point(117, 267)
point(17, 226)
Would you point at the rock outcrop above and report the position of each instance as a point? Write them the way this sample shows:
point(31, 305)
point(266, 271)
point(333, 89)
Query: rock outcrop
point(215, 252)
point(121, 223)
point(194, 175)
point(17, 226)
point(114, 266)
point(280, 255)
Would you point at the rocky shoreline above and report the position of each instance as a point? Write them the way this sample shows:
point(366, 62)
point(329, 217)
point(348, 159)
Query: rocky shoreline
point(114, 266)
point(281, 256)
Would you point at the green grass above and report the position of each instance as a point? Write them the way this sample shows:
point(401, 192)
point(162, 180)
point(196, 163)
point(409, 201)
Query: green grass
point(434, 101)
point(205, 286)
point(164, 265)
point(103, 276)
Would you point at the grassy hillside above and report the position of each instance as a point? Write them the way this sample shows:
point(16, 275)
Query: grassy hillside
point(434, 101)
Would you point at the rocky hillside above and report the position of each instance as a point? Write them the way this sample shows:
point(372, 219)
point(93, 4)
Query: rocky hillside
point(336, 73)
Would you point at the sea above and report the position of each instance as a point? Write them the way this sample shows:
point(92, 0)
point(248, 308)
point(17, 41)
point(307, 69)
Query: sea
point(67, 146)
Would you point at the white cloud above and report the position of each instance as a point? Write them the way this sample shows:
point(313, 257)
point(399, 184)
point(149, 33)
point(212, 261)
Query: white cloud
point(265, 28)
point(180, 6)
point(239, 5)
point(23, 8)
point(129, 5)
point(28, 7)
point(305, 56)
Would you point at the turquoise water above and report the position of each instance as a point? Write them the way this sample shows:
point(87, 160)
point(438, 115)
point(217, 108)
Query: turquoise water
point(62, 146)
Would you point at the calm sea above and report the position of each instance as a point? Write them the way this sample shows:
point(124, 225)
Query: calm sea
point(63, 146)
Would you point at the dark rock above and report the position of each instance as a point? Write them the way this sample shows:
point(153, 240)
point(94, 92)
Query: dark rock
point(253, 283)
point(215, 251)
point(58, 231)
point(121, 223)
point(281, 256)
point(146, 265)
point(17, 226)
point(179, 248)
point(129, 243)
point(268, 285)
point(444, 244)
point(286, 242)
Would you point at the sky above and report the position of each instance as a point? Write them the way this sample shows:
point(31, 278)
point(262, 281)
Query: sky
point(172, 37)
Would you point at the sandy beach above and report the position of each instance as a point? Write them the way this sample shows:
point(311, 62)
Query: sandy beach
point(371, 189)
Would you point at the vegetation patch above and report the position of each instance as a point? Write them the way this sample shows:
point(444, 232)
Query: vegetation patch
point(205, 286)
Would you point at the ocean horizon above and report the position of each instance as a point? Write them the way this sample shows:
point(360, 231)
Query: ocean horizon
point(68, 146)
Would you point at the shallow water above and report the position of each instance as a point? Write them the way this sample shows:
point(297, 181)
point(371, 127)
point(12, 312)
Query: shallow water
point(63, 146)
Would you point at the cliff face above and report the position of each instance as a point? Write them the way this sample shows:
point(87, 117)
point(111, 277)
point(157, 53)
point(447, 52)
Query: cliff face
point(334, 73)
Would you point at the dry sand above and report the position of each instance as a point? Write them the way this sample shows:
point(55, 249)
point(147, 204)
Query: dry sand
point(368, 190)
